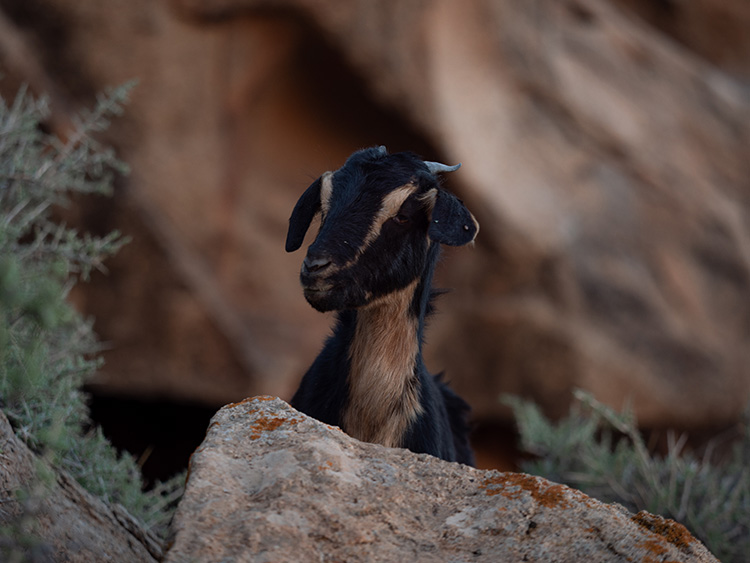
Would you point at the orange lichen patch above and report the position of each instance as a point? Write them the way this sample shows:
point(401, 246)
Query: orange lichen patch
point(242, 402)
point(497, 481)
point(655, 551)
point(327, 466)
point(268, 424)
point(549, 496)
point(674, 532)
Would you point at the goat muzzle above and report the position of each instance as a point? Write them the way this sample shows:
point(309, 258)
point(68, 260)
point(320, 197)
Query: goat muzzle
point(315, 272)
point(315, 265)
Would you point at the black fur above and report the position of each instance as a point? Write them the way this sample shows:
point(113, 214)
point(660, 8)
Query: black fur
point(338, 274)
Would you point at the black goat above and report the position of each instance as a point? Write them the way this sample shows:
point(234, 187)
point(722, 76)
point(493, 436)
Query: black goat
point(383, 218)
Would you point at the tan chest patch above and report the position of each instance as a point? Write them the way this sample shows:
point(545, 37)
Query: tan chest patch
point(383, 389)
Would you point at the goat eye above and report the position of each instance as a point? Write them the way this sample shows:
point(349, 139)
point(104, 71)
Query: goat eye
point(401, 219)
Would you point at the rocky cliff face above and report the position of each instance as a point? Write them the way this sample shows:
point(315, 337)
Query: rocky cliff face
point(604, 149)
point(271, 484)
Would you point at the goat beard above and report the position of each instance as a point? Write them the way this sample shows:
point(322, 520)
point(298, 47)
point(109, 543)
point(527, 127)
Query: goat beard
point(322, 301)
point(334, 298)
point(340, 291)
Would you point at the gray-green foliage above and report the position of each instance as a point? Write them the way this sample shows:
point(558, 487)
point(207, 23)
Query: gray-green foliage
point(47, 350)
point(602, 453)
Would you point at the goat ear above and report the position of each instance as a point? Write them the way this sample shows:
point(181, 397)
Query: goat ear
point(302, 215)
point(451, 222)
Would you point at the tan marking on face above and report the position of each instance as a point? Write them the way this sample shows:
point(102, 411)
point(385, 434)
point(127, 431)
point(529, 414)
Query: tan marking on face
point(429, 198)
point(389, 207)
point(326, 190)
point(383, 388)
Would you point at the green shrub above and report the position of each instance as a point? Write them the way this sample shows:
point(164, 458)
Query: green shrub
point(47, 350)
point(602, 453)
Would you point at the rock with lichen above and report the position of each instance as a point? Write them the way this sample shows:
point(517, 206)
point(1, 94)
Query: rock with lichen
point(271, 484)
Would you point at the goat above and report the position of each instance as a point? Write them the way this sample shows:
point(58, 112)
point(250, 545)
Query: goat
point(382, 219)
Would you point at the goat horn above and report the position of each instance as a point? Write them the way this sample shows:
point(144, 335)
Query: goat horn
point(436, 167)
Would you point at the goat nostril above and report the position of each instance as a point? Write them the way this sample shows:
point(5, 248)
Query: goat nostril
point(315, 264)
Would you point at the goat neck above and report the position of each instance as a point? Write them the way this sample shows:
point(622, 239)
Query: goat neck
point(384, 356)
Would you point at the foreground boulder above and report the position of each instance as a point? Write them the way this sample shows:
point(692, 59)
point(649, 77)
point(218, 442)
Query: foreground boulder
point(271, 484)
point(55, 519)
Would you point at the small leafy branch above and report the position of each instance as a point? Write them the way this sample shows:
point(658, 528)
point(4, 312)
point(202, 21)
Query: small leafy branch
point(47, 350)
point(602, 452)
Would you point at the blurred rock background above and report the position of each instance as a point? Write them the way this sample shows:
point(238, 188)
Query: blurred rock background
point(606, 154)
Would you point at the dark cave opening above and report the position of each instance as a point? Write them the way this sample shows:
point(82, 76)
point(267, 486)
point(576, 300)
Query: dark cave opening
point(161, 434)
